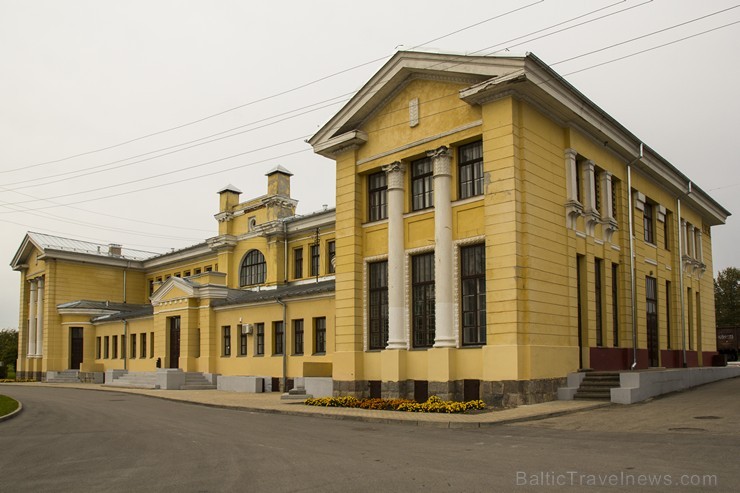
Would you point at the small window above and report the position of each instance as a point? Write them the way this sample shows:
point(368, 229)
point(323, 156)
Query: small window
point(278, 338)
point(143, 345)
point(377, 188)
point(226, 335)
point(649, 223)
point(470, 169)
point(315, 259)
point(197, 271)
point(422, 186)
point(208, 268)
point(242, 343)
point(298, 336)
point(186, 273)
point(259, 339)
point(330, 254)
point(319, 332)
point(298, 263)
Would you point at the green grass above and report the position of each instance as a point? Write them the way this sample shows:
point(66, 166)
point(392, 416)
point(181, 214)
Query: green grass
point(7, 405)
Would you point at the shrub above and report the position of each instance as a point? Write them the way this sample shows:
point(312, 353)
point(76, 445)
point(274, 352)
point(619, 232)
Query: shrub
point(433, 405)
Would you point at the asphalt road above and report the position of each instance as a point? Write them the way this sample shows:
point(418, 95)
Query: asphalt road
point(81, 440)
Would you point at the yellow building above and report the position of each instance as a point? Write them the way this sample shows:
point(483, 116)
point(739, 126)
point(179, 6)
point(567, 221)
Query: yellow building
point(480, 248)
point(483, 249)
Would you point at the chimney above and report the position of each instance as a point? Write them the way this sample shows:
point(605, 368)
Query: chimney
point(229, 197)
point(114, 250)
point(278, 181)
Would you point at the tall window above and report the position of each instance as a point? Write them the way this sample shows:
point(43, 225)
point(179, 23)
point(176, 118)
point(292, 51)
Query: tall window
point(319, 335)
point(298, 263)
point(106, 347)
point(470, 164)
point(114, 352)
point(278, 333)
point(615, 303)
point(226, 350)
point(259, 339)
point(123, 346)
point(422, 299)
point(331, 251)
point(648, 223)
point(151, 345)
point(143, 345)
point(97, 348)
point(599, 307)
point(298, 336)
point(133, 346)
point(378, 304)
point(473, 281)
point(315, 258)
point(377, 188)
point(242, 342)
point(253, 269)
point(422, 189)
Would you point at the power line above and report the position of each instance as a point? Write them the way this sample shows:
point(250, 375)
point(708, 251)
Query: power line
point(266, 98)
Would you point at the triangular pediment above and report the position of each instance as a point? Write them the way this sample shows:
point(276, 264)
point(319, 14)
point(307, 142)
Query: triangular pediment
point(175, 288)
point(402, 68)
point(26, 251)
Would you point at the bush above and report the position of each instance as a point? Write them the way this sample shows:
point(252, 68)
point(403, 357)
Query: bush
point(433, 405)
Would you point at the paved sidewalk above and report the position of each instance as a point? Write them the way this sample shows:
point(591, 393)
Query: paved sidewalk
point(271, 403)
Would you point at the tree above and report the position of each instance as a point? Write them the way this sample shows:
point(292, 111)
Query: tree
point(8, 347)
point(727, 297)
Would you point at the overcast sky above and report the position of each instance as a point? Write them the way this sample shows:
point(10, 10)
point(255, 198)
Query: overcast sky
point(77, 77)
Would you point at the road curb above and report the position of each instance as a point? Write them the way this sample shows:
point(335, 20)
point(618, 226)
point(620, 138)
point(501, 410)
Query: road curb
point(14, 413)
point(352, 417)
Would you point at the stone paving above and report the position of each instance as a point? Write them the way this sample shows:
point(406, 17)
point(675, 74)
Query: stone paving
point(272, 403)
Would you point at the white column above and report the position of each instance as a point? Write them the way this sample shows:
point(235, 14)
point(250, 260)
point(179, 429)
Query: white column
point(32, 320)
point(40, 317)
point(444, 335)
point(396, 252)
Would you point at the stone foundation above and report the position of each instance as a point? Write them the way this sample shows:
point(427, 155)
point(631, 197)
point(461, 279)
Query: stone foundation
point(38, 376)
point(498, 394)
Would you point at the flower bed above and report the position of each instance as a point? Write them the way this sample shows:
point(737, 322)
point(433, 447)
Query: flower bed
point(433, 405)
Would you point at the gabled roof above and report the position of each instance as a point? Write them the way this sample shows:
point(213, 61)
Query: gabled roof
point(402, 68)
point(492, 77)
point(69, 247)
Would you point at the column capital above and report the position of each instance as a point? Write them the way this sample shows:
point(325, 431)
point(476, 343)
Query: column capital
point(33, 284)
point(441, 160)
point(571, 153)
point(394, 172)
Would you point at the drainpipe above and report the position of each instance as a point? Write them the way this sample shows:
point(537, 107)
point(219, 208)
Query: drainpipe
point(285, 345)
point(680, 275)
point(124, 346)
point(632, 258)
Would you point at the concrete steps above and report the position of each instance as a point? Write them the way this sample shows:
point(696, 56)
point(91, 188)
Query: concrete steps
point(597, 386)
point(196, 381)
point(136, 380)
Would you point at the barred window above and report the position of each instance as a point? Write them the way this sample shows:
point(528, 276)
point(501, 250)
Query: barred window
point(378, 304)
point(422, 293)
point(473, 281)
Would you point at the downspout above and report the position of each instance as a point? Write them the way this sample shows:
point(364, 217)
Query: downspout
point(124, 346)
point(285, 345)
point(680, 276)
point(633, 295)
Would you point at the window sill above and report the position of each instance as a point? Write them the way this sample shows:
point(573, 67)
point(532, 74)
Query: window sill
point(319, 354)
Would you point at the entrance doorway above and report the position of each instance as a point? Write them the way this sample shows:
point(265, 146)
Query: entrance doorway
point(174, 342)
point(75, 348)
point(651, 302)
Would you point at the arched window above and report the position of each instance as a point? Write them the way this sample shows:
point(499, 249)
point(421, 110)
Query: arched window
point(253, 270)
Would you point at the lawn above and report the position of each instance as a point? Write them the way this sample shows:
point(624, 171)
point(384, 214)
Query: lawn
point(7, 405)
